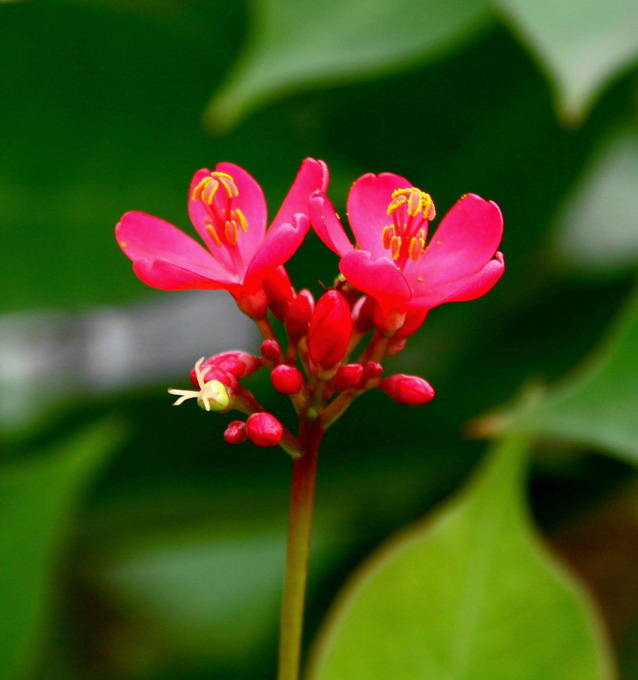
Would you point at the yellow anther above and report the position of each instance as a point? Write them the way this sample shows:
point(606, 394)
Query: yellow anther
point(429, 211)
point(228, 183)
point(416, 248)
point(241, 218)
point(395, 246)
point(414, 203)
point(197, 191)
point(231, 232)
point(397, 200)
point(210, 228)
point(387, 235)
point(208, 192)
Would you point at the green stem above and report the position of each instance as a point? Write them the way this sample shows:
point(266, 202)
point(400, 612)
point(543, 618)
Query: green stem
point(299, 532)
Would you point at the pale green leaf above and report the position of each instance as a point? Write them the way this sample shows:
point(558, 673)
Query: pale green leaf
point(581, 44)
point(597, 405)
point(296, 44)
point(470, 595)
point(598, 229)
point(37, 500)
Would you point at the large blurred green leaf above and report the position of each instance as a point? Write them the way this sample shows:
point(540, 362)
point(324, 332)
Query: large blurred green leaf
point(472, 595)
point(598, 229)
point(580, 43)
point(38, 498)
point(293, 44)
point(594, 406)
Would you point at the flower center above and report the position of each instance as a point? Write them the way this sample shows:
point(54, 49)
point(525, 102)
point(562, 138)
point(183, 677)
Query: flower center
point(411, 210)
point(217, 192)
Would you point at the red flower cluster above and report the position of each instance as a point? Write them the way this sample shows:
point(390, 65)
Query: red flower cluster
point(390, 278)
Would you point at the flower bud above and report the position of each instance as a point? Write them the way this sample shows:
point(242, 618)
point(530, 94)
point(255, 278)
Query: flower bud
point(395, 346)
point(299, 315)
point(253, 305)
point(330, 330)
point(407, 389)
point(279, 292)
point(270, 350)
point(363, 314)
point(263, 429)
point(372, 369)
point(347, 377)
point(237, 363)
point(287, 380)
point(388, 323)
point(235, 433)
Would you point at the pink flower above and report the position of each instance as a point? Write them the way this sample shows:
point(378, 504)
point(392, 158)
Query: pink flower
point(228, 210)
point(394, 261)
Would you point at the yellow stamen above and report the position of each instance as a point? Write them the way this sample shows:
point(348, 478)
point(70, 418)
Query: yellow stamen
point(386, 236)
point(207, 194)
point(197, 191)
point(416, 248)
point(395, 246)
point(229, 184)
point(243, 223)
point(418, 202)
point(231, 232)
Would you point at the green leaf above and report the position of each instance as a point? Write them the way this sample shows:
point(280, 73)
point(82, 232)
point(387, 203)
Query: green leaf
point(598, 229)
point(294, 44)
point(596, 405)
point(470, 595)
point(581, 44)
point(38, 498)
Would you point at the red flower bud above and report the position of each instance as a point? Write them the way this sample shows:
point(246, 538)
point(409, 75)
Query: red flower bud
point(287, 379)
point(235, 433)
point(407, 389)
point(395, 346)
point(347, 377)
point(363, 314)
point(330, 330)
point(253, 305)
point(372, 369)
point(388, 323)
point(271, 350)
point(264, 429)
point(212, 372)
point(279, 292)
point(237, 363)
point(299, 315)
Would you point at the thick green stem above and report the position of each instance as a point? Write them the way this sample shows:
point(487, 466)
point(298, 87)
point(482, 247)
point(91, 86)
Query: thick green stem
point(299, 532)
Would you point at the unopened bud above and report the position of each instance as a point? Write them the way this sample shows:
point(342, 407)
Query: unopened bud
point(235, 433)
point(271, 350)
point(212, 394)
point(237, 363)
point(372, 369)
point(299, 315)
point(407, 389)
point(363, 314)
point(388, 323)
point(253, 305)
point(287, 380)
point(347, 377)
point(330, 330)
point(263, 429)
point(279, 292)
point(395, 346)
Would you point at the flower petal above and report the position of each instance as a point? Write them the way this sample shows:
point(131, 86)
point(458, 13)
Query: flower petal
point(312, 176)
point(367, 208)
point(380, 278)
point(170, 276)
point(468, 288)
point(144, 237)
point(327, 225)
point(463, 244)
point(279, 245)
point(252, 203)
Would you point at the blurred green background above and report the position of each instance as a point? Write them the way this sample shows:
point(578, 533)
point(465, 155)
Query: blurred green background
point(135, 544)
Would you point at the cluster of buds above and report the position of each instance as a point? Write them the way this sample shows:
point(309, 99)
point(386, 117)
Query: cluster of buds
point(312, 367)
point(393, 273)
